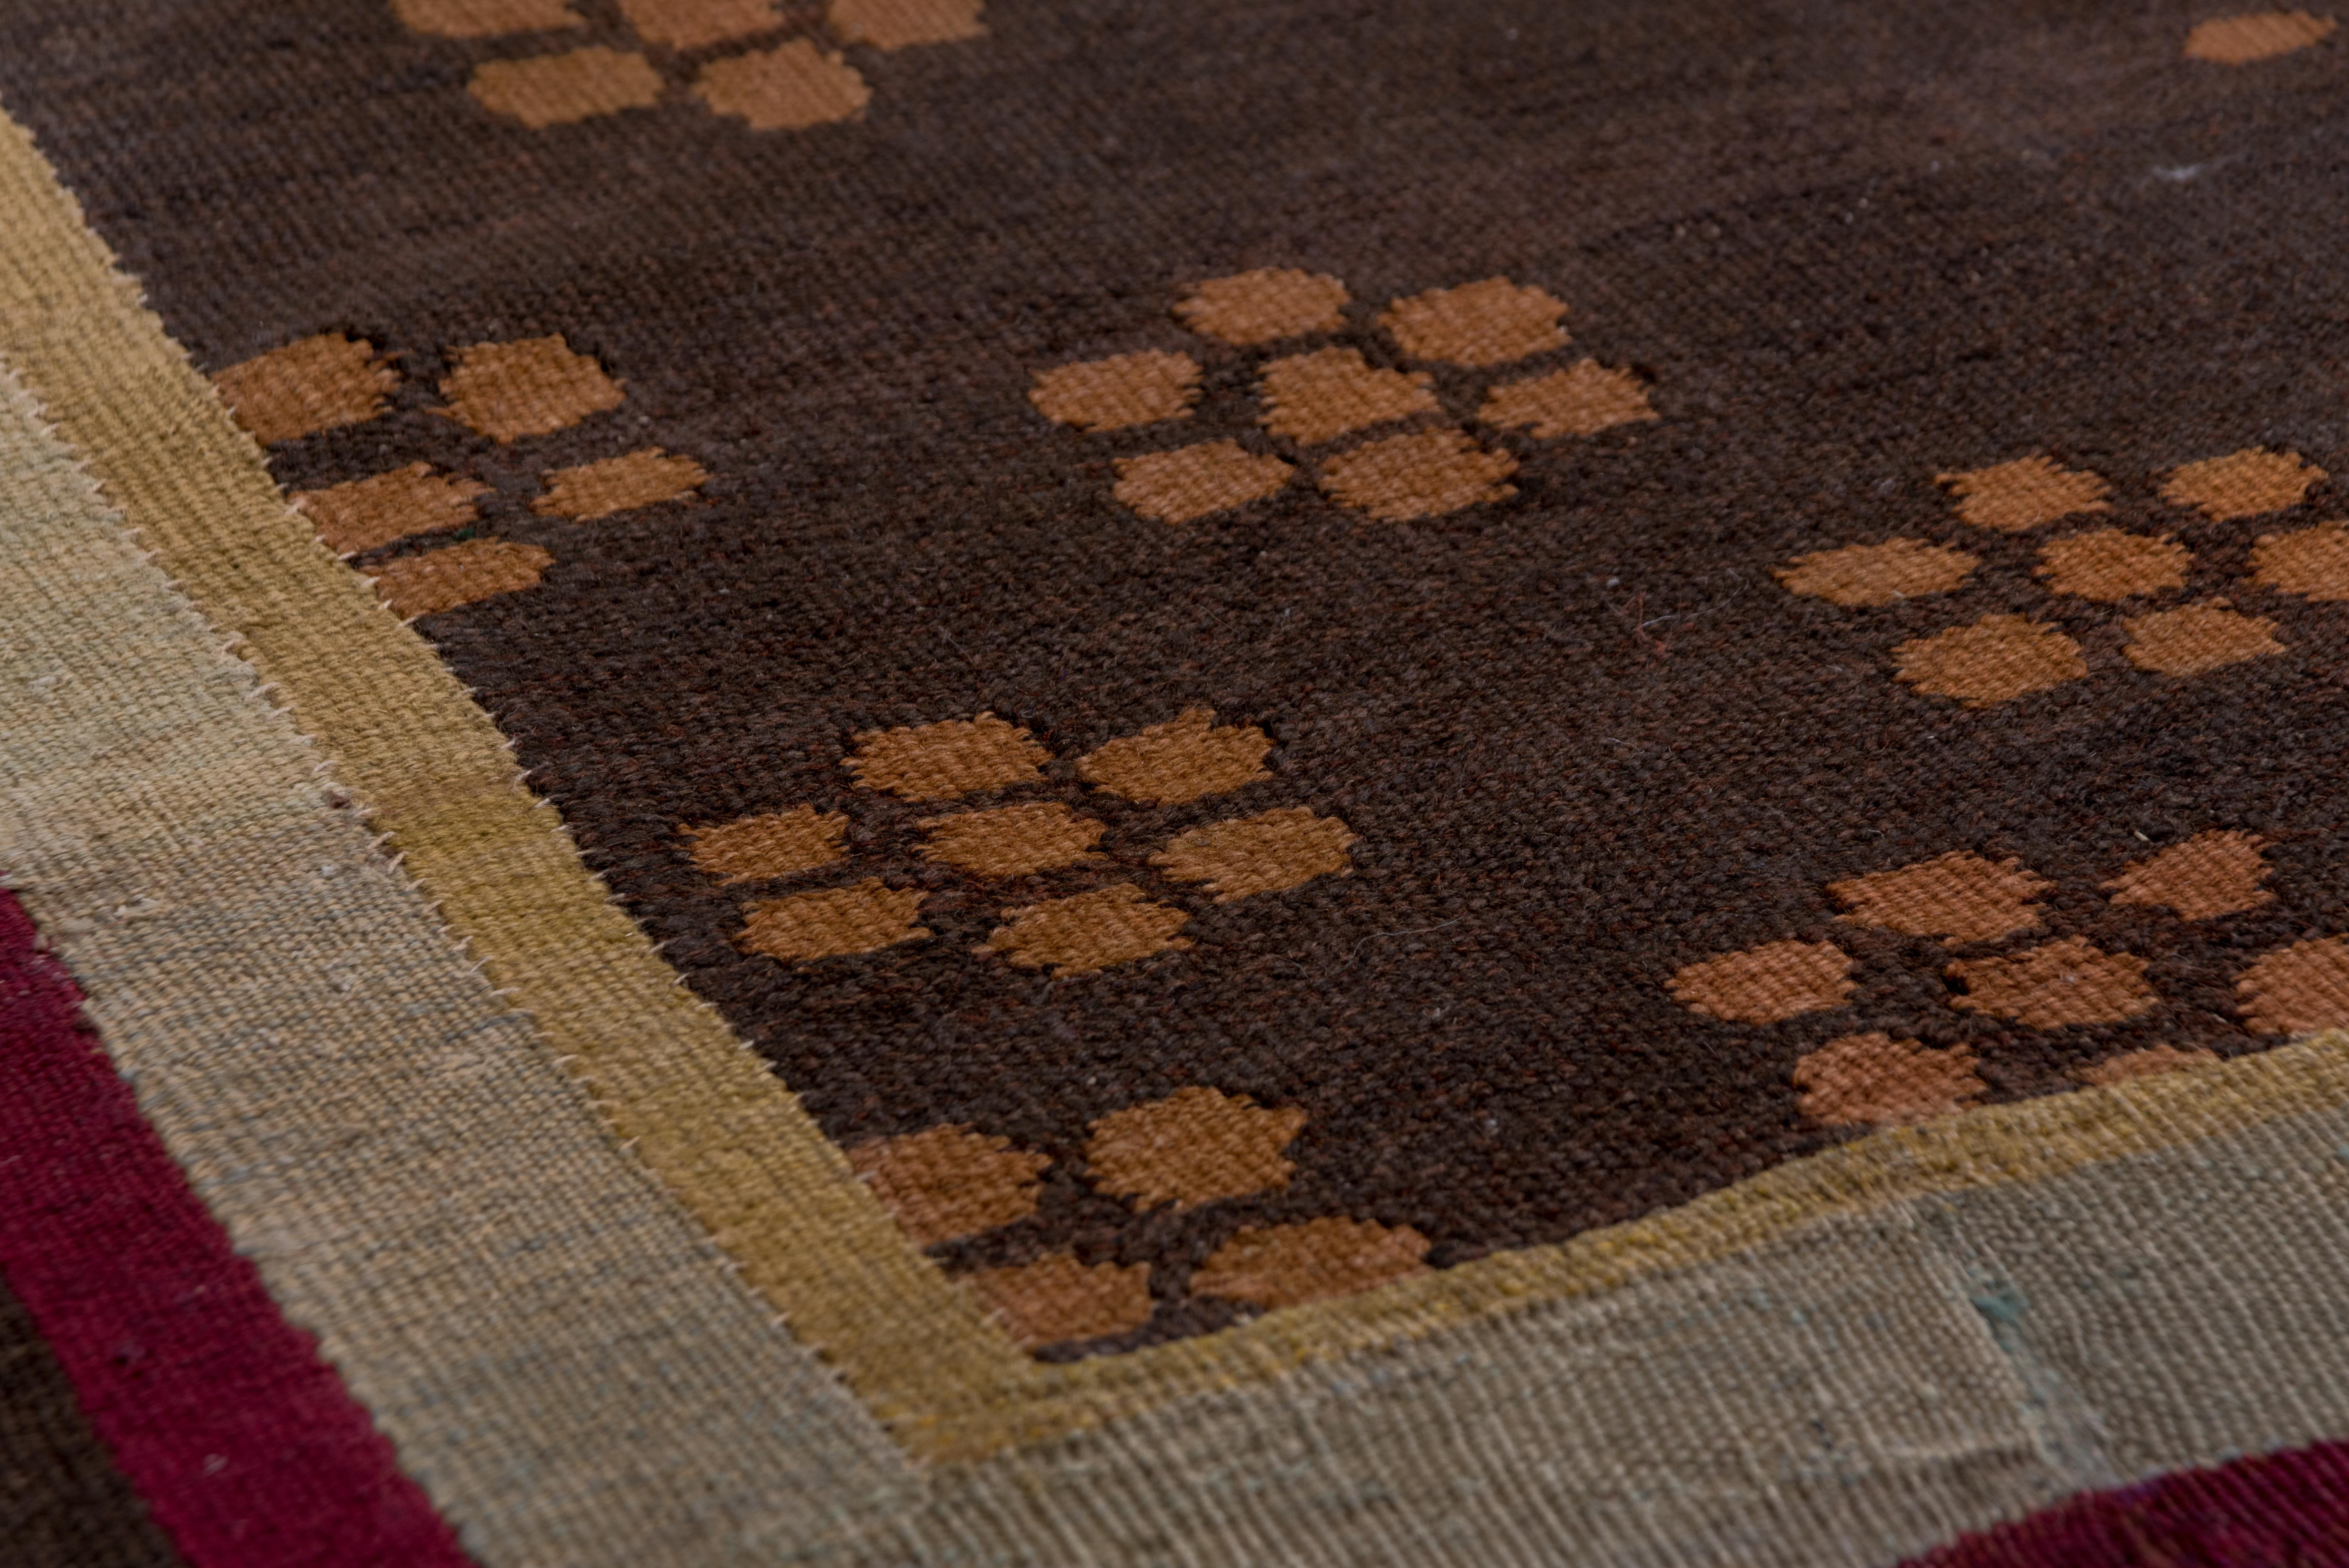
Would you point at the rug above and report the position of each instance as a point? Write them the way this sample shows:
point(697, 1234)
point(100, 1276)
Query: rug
point(1060, 781)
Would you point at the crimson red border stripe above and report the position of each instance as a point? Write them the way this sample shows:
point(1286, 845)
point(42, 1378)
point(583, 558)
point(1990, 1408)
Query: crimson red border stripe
point(2288, 1509)
point(246, 1445)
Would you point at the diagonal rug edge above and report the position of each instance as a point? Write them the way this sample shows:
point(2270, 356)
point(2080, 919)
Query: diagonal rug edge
point(429, 768)
point(380, 1134)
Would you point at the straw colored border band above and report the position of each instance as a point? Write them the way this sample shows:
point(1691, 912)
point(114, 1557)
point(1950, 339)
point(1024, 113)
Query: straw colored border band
point(705, 1115)
point(701, 1111)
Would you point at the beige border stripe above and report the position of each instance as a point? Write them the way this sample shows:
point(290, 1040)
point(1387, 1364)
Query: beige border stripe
point(1846, 1394)
point(706, 1116)
point(561, 1357)
point(1993, 1147)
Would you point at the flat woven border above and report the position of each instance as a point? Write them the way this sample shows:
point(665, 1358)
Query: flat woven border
point(386, 1140)
point(702, 1112)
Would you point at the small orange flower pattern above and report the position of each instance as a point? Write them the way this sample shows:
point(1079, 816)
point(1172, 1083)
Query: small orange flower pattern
point(1988, 937)
point(1104, 919)
point(1193, 1148)
point(2137, 577)
point(752, 61)
point(1383, 439)
point(418, 533)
